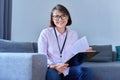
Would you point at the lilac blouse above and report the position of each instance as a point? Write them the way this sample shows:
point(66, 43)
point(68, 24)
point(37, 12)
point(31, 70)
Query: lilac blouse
point(47, 44)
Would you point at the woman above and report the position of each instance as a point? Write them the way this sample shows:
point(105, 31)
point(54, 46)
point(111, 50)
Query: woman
point(56, 43)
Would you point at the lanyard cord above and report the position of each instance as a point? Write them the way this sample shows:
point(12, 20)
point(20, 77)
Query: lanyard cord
point(61, 50)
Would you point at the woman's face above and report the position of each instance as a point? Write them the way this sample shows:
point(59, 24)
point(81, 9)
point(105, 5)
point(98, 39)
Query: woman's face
point(60, 19)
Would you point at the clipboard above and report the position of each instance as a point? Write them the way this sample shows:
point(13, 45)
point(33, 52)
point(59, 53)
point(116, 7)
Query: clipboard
point(80, 57)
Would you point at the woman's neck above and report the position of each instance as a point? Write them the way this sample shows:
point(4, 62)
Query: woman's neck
point(61, 30)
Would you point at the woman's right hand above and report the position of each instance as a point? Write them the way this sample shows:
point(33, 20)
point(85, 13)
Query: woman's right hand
point(59, 67)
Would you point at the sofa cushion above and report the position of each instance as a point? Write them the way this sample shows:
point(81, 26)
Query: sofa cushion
point(104, 70)
point(104, 55)
point(14, 46)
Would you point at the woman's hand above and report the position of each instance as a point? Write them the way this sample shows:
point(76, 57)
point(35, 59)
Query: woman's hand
point(60, 67)
point(89, 49)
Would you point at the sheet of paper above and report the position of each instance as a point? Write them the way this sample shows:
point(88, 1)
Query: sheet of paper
point(80, 45)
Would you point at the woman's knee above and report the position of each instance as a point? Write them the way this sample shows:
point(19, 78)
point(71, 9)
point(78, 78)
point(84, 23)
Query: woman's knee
point(52, 74)
point(81, 73)
point(75, 70)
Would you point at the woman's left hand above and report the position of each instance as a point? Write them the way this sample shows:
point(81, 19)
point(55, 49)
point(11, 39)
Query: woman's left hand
point(89, 49)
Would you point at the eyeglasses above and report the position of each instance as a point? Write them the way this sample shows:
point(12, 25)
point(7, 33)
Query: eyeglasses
point(57, 17)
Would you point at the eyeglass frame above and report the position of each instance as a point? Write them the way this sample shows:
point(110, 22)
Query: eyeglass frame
point(57, 17)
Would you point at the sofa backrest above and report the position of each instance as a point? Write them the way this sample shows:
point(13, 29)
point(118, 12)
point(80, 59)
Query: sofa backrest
point(105, 53)
point(14, 46)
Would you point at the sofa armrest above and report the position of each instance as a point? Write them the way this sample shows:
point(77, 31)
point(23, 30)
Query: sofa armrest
point(16, 66)
point(39, 67)
point(19, 66)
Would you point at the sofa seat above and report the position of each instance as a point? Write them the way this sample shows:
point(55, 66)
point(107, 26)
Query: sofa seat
point(105, 70)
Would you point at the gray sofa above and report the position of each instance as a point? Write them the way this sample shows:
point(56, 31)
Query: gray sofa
point(20, 61)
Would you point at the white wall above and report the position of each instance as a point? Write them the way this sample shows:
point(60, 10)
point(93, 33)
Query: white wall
point(99, 20)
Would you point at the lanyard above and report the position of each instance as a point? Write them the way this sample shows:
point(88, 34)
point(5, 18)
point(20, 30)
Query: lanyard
point(61, 50)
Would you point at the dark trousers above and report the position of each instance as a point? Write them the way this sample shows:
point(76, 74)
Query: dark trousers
point(75, 73)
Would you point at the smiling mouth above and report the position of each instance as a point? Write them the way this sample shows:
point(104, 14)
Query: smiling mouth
point(60, 22)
